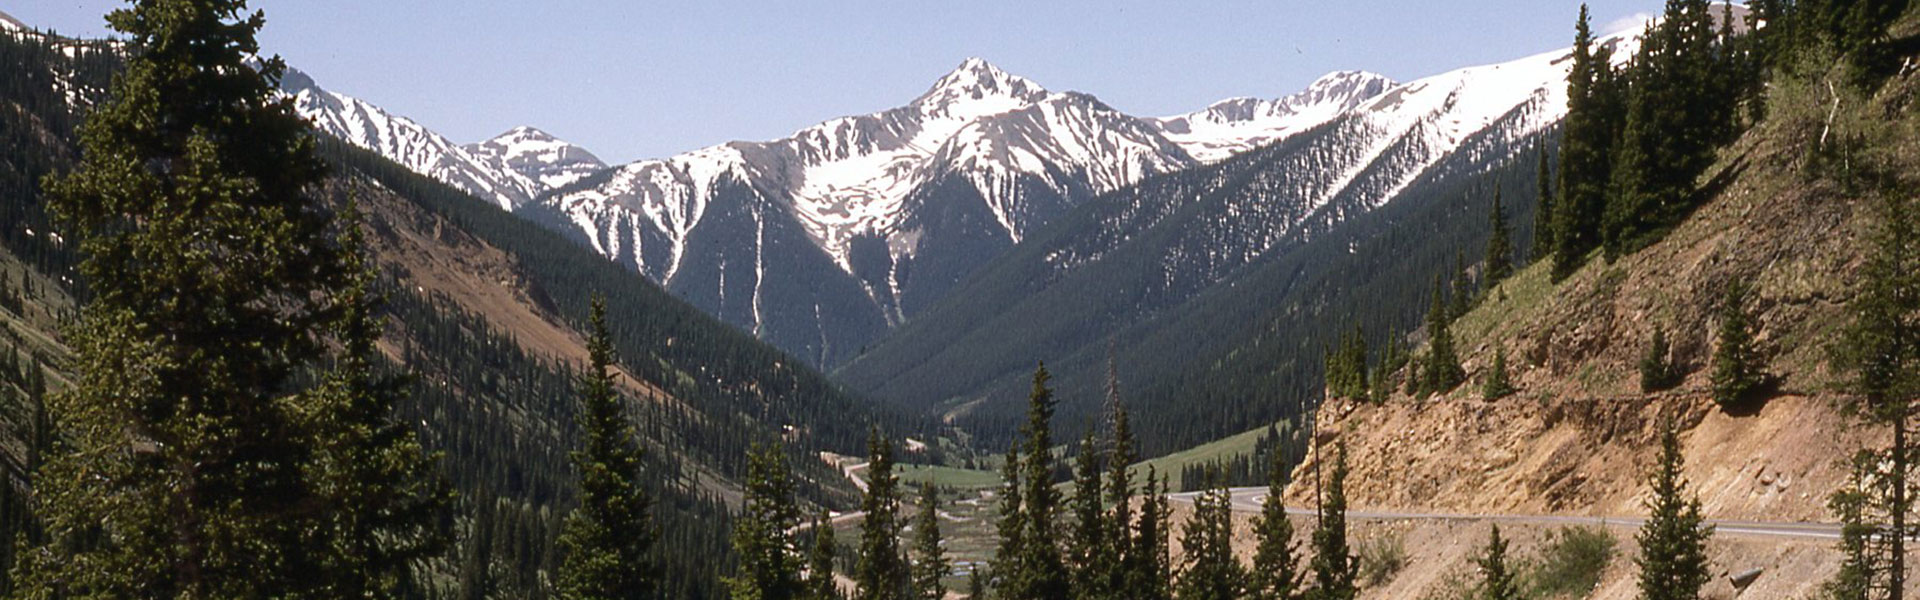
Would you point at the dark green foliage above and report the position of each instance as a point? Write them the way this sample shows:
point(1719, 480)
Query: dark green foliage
point(1465, 291)
point(1495, 384)
point(1033, 570)
point(1673, 541)
point(1347, 367)
point(388, 503)
point(211, 420)
point(769, 561)
point(1879, 351)
point(1680, 107)
point(1090, 548)
point(1542, 245)
point(1571, 563)
point(1442, 365)
point(1336, 571)
point(930, 564)
point(1498, 264)
point(1124, 556)
point(819, 579)
point(1658, 371)
point(1586, 151)
point(1856, 29)
point(1150, 568)
point(1012, 527)
point(1210, 571)
point(881, 572)
point(1854, 580)
point(1276, 562)
point(1496, 578)
point(976, 585)
point(608, 538)
point(1737, 365)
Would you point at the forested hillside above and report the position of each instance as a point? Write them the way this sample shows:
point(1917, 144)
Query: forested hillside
point(484, 315)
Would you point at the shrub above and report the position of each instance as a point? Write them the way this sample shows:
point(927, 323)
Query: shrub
point(1570, 564)
point(1381, 557)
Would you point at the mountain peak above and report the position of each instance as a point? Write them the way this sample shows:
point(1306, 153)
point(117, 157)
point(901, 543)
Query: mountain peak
point(977, 88)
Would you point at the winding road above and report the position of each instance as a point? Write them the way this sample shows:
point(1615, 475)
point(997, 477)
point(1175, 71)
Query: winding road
point(1249, 499)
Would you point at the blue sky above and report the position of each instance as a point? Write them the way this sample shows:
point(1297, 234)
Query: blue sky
point(632, 80)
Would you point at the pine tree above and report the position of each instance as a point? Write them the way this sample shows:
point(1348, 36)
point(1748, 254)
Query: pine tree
point(1012, 527)
point(1037, 572)
point(1463, 288)
point(1673, 541)
point(881, 572)
point(1150, 570)
point(1584, 156)
point(976, 585)
point(1346, 366)
point(1499, 261)
point(1543, 208)
point(1496, 580)
point(1497, 385)
point(932, 565)
point(1276, 564)
point(819, 579)
point(1336, 571)
point(1443, 371)
point(1211, 572)
point(1854, 581)
point(1657, 370)
point(769, 564)
point(1736, 361)
point(1089, 547)
point(216, 278)
point(385, 499)
point(1880, 352)
point(607, 540)
point(1120, 491)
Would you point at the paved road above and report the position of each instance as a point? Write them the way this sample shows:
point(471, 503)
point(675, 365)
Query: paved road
point(1249, 499)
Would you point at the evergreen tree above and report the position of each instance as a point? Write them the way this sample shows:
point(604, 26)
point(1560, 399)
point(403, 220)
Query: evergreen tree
point(385, 500)
point(1089, 547)
point(1543, 208)
point(769, 564)
point(1673, 541)
point(1036, 571)
point(1150, 570)
point(1120, 492)
point(1496, 580)
point(1854, 581)
point(1499, 261)
point(819, 580)
point(1463, 288)
point(1211, 572)
point(881, 572)
point(608, 539)
point(205, 422)
point(976, 585)
point(1657, 369)
point(1336, 571)
point(1880, 352)
point(1586, 151)
point(1497, 385)
point(932, 565)
point(1677, 113)
point(1346, 366)
point(1012, 527)
point(1276, 564)
point(1737, 365)
point(1443, 371)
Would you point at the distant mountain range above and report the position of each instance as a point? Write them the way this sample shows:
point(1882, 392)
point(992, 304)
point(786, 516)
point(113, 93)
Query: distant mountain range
point(827, 240)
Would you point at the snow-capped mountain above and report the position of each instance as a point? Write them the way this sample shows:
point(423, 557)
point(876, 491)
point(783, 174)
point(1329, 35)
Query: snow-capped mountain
point(1146, 259)
point(510, 170)
point(902, 203)
point(538, 156)
point(1236, 125)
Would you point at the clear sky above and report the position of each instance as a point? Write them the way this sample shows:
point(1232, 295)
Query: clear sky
point(643, 79)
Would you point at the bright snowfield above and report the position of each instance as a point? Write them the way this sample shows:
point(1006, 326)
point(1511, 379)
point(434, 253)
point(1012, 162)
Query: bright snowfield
point(510, 170)
point(853, 176)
